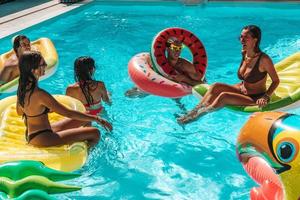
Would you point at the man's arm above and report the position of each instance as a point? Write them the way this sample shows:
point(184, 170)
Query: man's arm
point(191, 71)
point(5, 74)
point(180, 78)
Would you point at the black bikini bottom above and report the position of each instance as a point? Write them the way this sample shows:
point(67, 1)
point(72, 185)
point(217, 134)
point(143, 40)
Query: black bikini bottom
point(30, 136)
point(255, 97)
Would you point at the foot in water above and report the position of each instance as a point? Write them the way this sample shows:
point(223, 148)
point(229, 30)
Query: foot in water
point(193, 115)
point(135, 93)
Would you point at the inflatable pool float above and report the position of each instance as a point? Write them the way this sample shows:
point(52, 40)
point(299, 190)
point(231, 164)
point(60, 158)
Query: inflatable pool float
point(145, 78)
point(150, 75)
point(13, 145)
point(268, 148)
point(287, 94)
point(48, 51)
point(28, 179)
point(158, 49)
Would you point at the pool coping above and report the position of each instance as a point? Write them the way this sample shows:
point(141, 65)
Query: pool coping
point(26, 18)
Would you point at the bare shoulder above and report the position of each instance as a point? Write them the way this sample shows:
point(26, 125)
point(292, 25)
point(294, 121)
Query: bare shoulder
point(72, 89)
point(40, 93)
point(266, 60)
point(73, 86)
point(100, 84)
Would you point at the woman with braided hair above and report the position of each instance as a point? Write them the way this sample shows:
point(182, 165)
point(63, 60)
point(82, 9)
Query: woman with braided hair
point(87, 90)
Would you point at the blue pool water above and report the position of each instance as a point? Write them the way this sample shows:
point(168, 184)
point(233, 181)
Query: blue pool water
point(148, 155)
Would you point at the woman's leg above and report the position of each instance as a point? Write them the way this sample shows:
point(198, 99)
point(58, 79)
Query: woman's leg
point(225, 98)
point(233, 99)
point(47, 139)
point(215, 90)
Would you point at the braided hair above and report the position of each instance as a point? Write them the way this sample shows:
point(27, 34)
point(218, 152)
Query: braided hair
point(84, 68)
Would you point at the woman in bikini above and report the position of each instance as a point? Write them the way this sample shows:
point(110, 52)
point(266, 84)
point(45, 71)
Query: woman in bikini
point(87, 90)
point(10, 69)
point(34, 104)
point(253, 71)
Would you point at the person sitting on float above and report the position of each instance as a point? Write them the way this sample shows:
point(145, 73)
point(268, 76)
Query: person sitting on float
point(10, 69)
point(185, 70)
point(253, 71)
point(35, 103)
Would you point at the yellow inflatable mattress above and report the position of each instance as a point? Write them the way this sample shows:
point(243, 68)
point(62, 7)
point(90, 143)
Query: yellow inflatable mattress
point(48, 51)
point(13, 145)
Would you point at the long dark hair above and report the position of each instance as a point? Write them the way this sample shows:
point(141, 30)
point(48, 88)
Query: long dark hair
point(84, 68)
point(255, 32)
point(28, 61)
point(17, 42)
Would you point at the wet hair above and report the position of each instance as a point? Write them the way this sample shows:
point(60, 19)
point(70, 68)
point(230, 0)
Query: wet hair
point(17, 42)
point(172, 40)
point(255, 32)
point(28, 61)
point(84, 68)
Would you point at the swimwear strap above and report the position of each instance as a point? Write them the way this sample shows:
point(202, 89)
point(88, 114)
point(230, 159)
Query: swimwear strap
point(30, 136)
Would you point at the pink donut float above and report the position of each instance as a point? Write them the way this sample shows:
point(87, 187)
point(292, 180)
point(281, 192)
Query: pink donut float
point(142, 74)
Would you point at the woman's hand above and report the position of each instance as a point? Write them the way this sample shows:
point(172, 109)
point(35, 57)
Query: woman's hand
point(263, 101)
point(243, 89)
point(105, 124)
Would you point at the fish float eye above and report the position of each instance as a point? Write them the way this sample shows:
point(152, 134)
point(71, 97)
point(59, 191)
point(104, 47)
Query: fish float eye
point(286, 151)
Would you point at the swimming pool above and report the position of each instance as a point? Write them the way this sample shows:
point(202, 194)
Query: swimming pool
point(148, 155)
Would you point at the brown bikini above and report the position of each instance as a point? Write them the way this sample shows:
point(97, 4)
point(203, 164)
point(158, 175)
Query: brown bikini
point(254, 76)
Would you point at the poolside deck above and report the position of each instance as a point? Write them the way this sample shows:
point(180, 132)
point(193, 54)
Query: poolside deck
point(18, 15)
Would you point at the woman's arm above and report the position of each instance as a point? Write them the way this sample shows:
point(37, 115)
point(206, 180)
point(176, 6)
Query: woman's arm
point(5, 74)
point(70, 92)
point(270, 69)
point(104, 93)
point(50, 102)
point(18, 108)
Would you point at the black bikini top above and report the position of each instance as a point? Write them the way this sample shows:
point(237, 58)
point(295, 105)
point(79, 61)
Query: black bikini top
point(254, 75)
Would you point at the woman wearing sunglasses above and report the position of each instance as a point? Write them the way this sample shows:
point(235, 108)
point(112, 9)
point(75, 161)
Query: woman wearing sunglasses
point(253, 71)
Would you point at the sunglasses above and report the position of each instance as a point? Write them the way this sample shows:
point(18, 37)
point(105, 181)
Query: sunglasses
point(174, 47)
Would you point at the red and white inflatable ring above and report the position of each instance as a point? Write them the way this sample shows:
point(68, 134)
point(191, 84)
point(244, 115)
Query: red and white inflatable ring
point(158, 48)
